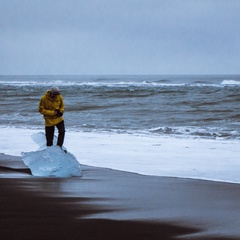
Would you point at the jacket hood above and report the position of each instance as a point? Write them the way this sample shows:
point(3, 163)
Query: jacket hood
point(47, 94)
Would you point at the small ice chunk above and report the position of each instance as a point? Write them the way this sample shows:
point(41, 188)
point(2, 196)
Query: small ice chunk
point(52, 162)
point(40, 139)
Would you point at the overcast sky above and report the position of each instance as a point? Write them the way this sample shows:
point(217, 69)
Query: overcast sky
point(119, 37)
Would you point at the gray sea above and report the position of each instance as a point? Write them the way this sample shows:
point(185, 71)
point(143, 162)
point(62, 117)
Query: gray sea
point(186, 106)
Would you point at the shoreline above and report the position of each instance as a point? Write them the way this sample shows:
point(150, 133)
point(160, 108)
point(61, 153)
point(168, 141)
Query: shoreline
point(109, 204)
point(214, 160)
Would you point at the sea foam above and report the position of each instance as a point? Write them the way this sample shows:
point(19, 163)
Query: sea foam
point(230, 82)
point(171, 156)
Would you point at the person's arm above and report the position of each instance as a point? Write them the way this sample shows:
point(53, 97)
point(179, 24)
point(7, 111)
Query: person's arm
point(42, 110)
point(61, 106)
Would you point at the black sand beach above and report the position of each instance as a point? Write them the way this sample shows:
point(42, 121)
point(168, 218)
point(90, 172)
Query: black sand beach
point(108, 204)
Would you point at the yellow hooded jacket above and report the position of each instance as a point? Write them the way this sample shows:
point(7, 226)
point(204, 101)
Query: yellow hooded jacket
point(47, 106)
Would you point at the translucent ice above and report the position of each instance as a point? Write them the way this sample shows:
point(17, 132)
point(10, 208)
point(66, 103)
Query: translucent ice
point(40, 139)
point(51, 161)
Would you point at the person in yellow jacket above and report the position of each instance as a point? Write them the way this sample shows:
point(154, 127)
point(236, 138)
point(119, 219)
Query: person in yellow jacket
point(52, 107)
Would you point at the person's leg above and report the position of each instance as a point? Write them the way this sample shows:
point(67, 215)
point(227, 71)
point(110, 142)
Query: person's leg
point(49, 135)
point(61, 133)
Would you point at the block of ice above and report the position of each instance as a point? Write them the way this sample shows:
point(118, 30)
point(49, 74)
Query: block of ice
point(40, 139)
point(51, 161)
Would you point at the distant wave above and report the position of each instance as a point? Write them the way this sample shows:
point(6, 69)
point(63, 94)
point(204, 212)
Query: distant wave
point(96, 83)
point(196, 132)
point(121, 80)
point(230, 82)
point(37, 83)
point(159, 83)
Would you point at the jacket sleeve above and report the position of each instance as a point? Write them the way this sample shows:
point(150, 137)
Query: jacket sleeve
point(42, 110)
point(61, 106)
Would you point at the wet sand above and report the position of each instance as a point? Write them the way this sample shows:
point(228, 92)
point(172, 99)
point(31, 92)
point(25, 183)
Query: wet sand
point(108, 204)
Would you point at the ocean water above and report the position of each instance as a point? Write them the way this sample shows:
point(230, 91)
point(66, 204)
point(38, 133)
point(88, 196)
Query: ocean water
point(196, 106)
point(178, 126)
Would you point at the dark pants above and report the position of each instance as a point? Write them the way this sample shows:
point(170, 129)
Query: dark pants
point(50, 134)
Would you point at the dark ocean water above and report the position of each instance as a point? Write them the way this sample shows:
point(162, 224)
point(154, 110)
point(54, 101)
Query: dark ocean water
point(196, 106)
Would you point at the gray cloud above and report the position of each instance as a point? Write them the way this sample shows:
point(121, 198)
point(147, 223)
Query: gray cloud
point(119, 36)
